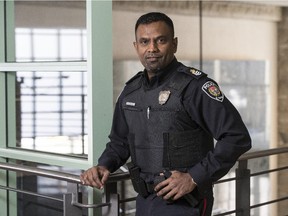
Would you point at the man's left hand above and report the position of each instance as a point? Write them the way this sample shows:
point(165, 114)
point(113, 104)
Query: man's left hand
point(176, 186)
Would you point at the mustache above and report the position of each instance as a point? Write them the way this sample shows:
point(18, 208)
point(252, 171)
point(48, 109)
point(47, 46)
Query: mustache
point(153, 56)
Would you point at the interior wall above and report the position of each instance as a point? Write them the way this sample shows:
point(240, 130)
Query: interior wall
point(283, 108)
point(223, 38)
point(50, 14)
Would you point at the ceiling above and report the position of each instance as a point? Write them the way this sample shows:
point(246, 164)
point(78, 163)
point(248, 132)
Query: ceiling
point(283, 3)
point(268, 2)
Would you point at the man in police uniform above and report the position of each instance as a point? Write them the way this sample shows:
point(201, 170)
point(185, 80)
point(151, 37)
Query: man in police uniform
point(165, 119)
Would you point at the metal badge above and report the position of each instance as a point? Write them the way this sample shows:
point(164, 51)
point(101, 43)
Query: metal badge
point(163, 97)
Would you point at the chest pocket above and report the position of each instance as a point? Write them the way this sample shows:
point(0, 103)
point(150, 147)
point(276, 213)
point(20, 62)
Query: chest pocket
point(135, 116)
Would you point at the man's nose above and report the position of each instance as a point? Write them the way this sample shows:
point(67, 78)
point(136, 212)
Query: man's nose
point(153, 47)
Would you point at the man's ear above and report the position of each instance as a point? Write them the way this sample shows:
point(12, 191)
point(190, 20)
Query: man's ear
point(175, 43)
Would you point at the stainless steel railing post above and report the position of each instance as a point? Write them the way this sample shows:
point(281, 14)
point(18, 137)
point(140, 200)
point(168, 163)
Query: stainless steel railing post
point(111, 196)
point(242, 189)
point(68, 207)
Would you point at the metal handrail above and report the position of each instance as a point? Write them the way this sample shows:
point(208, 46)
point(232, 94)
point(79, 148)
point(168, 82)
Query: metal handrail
point(114, 177)
point(41, 172)
point(263, 153)
point(71, 178)
point(30, 193)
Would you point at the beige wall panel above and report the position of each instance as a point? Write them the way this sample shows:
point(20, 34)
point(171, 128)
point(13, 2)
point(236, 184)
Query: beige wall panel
point(223, 38)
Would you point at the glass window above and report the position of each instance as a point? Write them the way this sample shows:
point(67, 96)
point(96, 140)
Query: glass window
point(51, 109)
point(50, 31)
point(51, 106)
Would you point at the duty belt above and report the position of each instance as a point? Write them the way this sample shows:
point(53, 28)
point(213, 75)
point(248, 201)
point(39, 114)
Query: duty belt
point(156, 180)
point(146, 188)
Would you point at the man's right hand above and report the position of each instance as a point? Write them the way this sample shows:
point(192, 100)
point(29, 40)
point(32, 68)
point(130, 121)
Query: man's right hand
point(95, 176)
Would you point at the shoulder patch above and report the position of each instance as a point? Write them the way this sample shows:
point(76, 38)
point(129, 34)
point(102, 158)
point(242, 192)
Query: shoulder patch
point(134, 77)
point(213, 91)
point(195, 73)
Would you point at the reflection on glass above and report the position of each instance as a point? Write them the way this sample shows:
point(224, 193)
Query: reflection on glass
point(51, 106)
point(55, 188)
point(50, 31)
point(50, 44)
point(52, 111)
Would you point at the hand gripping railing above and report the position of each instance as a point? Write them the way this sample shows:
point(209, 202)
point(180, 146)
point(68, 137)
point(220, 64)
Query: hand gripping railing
point(71, 204)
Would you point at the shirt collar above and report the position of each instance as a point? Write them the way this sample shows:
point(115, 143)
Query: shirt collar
point(161, 76)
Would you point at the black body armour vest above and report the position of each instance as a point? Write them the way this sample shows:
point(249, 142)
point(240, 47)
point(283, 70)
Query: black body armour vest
point(161, 133)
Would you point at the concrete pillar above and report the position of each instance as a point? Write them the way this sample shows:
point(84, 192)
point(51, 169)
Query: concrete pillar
point(283, 106)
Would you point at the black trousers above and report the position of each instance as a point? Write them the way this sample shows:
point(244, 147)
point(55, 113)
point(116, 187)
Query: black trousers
point(156, 206)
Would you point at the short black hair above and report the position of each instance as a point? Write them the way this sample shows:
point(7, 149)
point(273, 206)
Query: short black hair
point(155, 17)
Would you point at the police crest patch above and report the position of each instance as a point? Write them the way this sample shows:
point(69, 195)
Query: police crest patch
point(213, 91)
point(163, 97)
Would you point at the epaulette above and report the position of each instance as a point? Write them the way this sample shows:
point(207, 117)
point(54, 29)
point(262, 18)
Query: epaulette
point(195, 73)
point(132, 84)
point(134, 77)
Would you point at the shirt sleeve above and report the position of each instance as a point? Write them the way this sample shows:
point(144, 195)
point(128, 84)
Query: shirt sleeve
point(117, 151)
point(215, 114)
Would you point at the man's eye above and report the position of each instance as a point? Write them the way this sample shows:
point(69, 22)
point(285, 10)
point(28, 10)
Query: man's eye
point(144, 42)
point(161, 41)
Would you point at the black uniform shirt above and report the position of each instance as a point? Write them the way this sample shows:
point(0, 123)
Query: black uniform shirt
point(209, 108)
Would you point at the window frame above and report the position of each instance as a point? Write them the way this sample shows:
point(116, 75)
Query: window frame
point(99, 66)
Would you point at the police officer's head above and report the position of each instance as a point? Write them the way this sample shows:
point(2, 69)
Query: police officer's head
point(154, 41)
point(155, 17)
